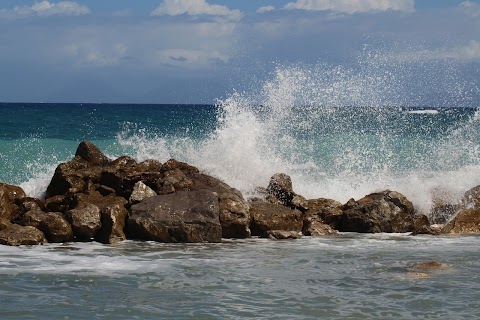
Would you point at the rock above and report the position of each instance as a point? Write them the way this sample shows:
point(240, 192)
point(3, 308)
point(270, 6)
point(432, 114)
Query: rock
point(4, 224)
point(313, 226)
point(85, 221)
point(16, 235)
point(105, 191)
point(56, 204)
point(184, 167)
point(141, 191)
point(56, 228)
point(183, 216)
point(466, 221)
point(174, 180)
point(113, 215)
point(72, 177)
point(444, 206)
point(268, 216)
point(471, 198)
point(31, 218)
point(149, 166)
point(280, 191)
point(235, 215)
point(421, 225)
point(282, 235)
point(329, 211)
point(8, 195)
point(91, 154)
point(386, 211)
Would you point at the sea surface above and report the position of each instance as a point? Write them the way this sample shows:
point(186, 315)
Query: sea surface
point(339, 134)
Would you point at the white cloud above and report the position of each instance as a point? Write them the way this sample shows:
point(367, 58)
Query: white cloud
point(194, 8)
point(265, 9)
point(353, 6)
point(471, 8)
point(46, 8)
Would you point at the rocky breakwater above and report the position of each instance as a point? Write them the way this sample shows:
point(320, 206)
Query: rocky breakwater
point(94, 198)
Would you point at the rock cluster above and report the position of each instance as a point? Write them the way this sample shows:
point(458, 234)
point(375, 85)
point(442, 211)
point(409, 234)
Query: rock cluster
point(94, 198)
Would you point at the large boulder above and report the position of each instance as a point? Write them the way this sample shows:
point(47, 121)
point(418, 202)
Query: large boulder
point(183, 216)
point(234, 209)
point(386, 211)
point(466, 221)
point(8, 195)
point(280, 191)
point(269, 216)
point(16, 235)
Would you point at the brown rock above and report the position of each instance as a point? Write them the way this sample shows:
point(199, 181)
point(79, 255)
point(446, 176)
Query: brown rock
point(174, 164)
point(268, 216)
point(386, 211)
point(183, 216)
point(31, 218)
point(56, 204)
point(56, 228)
point(91, 154)
point(16, 235)
point(313, 226)
point(466, 221)
point(283, 235)
point(149, 166)
point(235, 215)
point(85, 221)
point(8, 195)
point(328, 211)
point(174, 180)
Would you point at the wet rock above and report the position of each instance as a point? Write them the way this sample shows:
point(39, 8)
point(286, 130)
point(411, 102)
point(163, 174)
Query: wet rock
point(328, 211)
point(149, 166)
point(141, 191)
point(183, 216)
point(8, 195)
point(313, 226)
point(466, 221)
point(4, 224)
point(268, 216)
point(91, 154)
point(173, 164)
point(113, 215)
point(283, 235)
point(31, 218)
point(85, 221)
point(16, 235)
point(174, 180)
point(56, 204)
point(280, 191)
point(421, 225)
point(386, 211)
point(235, 215)
point(56, 228)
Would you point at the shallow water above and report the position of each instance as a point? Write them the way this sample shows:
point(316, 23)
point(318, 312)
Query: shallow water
point(346, 277)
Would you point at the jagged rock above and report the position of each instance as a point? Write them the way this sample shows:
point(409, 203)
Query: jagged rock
point(421, 225)
point(91, 154)
point(183, 216)
point(85, 221)
point(466, 221)
point(314, 226)
point(149, 166)
point(184, 167)
point(327, 210)
point(280, 191)
point(268, 216)
point(113, 215)
point(283, 235)
point(235, 215)
point(16, 235)
point(386, 211)
point(56, 228)
point(56, 204)
point(174, 180)
point(8, 195)
point(31, 218)
point(141, 191)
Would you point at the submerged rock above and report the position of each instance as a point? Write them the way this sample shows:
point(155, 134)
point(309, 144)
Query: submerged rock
point(386, 211)
point(183, 216)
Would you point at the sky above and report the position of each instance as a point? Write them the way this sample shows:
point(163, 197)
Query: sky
point(197, 51)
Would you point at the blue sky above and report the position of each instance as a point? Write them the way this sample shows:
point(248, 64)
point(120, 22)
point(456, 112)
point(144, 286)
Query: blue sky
point(194, 51)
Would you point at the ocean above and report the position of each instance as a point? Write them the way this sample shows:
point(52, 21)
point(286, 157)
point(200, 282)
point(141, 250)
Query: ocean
point(338, 134)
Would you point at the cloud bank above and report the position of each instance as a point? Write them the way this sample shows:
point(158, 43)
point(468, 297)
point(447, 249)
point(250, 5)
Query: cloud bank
point(353, 6)
point(195, 8)
point(47, 8)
